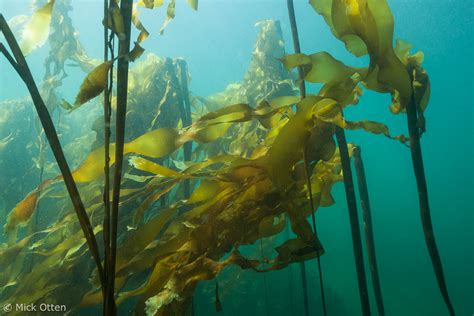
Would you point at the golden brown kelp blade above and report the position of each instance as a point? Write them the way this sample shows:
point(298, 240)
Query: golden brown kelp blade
point(369, 234)
point(418, 167)
point(366, 27)
point(36, 31)
point(93, 84)
point(143, 35)
point(19, 63)
point(114, 20)
point(150, 4)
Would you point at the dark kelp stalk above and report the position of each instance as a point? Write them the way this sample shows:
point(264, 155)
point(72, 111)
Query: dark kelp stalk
point(354, 220)
point(368, 227)
point(413, 119)
point(122, 84)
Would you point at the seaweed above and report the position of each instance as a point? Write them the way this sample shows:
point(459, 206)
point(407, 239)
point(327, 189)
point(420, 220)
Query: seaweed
point(413, 116)
point(109, 304)
point(19, 63)
point(302, 87)
point(239, 167)
point(122, 83)
point(368, 227)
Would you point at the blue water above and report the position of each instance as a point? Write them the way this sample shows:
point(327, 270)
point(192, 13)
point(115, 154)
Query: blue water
point(217, 42)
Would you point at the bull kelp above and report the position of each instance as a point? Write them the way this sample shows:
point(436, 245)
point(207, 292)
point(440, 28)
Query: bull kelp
point(158, 201)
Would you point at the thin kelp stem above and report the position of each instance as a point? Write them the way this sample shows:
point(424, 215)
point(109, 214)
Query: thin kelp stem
point(313, 218)
point(354, 219)
point(290, 274)
point(179, 68)
point(106, 194)
point(368, 227)
point(122, 84)
point(349, 186)
point(19, 63)
point(265, 289)
point(418, 167)
point(296, 45)
point(187, 119)
point(302, 86)
point(304, 285)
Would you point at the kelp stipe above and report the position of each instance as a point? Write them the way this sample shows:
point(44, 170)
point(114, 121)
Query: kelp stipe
point(425, 213)
point(368, 227)
point(122, 89)
point(302, 87)
point(354, 220)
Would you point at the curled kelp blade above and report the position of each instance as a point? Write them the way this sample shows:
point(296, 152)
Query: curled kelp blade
point(92, 86)
point(135, 53)
point(143, 35)
point(353, 43)
point(370, 23)
point(114, 20)
point(36, 31)
point(170, 14)
point(421, 80)
point(22, 212)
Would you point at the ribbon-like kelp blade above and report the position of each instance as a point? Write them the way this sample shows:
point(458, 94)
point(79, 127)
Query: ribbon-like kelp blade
point(170, 14)
point(24, 72)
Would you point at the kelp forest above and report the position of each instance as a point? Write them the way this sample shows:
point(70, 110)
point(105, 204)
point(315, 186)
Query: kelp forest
point(170, 188)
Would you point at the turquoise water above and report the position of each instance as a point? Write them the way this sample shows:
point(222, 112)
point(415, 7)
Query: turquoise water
point(217, 42)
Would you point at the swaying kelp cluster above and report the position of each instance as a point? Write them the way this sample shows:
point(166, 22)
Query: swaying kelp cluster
point(184, 216)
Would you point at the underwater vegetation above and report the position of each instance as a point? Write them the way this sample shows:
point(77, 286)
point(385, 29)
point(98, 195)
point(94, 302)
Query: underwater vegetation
point(175, 184)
